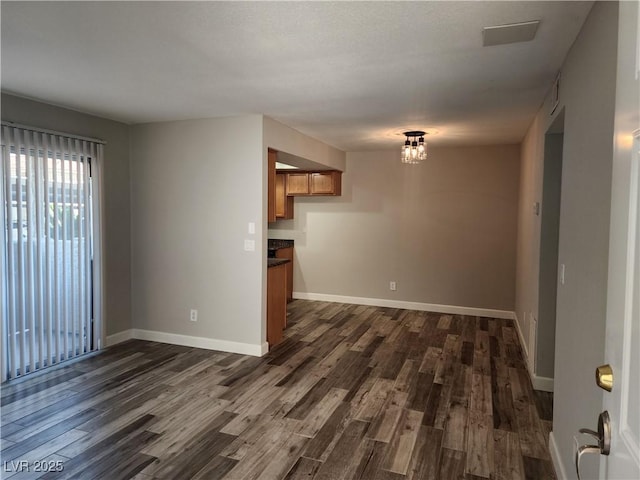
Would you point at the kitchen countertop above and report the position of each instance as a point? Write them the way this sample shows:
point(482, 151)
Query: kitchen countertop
point(274, 262)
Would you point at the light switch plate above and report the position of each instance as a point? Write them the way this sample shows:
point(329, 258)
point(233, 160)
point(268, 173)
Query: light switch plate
point(249, 245)
point(252, 228)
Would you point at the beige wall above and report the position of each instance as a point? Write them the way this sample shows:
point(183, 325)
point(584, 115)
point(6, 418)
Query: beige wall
point(444, 231)
point(587, 96)
point(285, 139)
point(195, 187)
point(115, 181)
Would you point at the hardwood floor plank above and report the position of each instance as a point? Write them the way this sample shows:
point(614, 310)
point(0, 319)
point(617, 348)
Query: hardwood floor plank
point(480, 454)
point(444, 404)
point(544, 404)
point(392, 366)
point(320, 413)
point(298, 372)
point(502, 405)
point(370, 460)
point(319, 447)
point(374, 400)
point(419, 393)
point(432, 405)
point(302, 408)
point(455, 428)
point(535, 468)
point(452, 464)
point(283, 458)
point(425, 460)
point(192, 455)
point(507, 456)
point(481, 400)
point(337, 464)
point(462, 385)
point(449, 360)
point(466, 354)
point(532, 440)
point(303, 469)
point(404, 439)
point(216, 469)
point(127, 465)
point(406, 377)
point(383, 428)
point(262, 452)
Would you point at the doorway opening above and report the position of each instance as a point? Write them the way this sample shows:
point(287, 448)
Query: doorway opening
point(549, 273)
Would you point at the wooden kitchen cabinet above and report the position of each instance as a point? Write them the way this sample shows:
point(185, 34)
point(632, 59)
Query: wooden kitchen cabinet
point(297, 183)
point(276, 303)
point(283, 203)
point(325, 183)
point(287, 253)
point(271, 185)
point(314, 183)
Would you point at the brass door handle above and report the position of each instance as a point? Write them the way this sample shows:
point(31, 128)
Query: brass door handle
point(604, 377)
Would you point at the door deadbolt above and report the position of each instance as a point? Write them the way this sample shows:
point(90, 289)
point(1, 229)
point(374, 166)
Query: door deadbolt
point(604, 377)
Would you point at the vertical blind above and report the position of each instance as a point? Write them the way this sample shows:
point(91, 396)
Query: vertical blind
point(50, 268)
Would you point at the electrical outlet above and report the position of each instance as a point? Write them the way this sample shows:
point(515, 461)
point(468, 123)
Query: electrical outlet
point(393, 286)
point(194, 315)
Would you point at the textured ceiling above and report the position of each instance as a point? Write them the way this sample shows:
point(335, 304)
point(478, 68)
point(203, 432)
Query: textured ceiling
point(351, 74)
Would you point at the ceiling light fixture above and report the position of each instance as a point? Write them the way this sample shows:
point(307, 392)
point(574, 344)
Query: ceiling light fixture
point(414, 151)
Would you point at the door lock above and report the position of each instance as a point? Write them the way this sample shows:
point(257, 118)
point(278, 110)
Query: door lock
point(602, 436)
point(604, 377)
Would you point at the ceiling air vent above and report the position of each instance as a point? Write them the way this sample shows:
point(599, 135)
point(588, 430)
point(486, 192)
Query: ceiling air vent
point(511, 33)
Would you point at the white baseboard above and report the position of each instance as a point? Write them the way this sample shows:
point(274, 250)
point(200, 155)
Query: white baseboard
point(544, 384)
point(119, 337)
point(426, 307)
point(189, 341)
point(561, 473)
point(523, 344)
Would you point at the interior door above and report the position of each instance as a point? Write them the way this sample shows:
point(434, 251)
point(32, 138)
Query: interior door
point(622, 350)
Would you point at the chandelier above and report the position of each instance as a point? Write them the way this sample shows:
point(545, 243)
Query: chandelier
point(414, 151)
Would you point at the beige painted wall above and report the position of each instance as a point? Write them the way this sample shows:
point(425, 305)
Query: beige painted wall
point(195, 187)
point(117, 228)
point(285, 139)
point(445, 231)
point(588, 96)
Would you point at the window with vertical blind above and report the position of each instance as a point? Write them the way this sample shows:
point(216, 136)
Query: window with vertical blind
point(50, 250)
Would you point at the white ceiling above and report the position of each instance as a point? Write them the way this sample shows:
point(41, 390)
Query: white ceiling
point(351, 74)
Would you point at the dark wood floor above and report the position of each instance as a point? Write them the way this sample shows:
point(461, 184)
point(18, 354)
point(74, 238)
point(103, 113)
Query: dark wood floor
point(353, 392)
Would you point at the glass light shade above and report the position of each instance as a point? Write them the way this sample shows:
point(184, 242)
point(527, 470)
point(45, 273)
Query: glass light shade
point(405, 154)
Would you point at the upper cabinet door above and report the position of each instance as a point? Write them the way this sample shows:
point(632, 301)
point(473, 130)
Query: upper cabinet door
point(297, 183)
point(284, 203)
point(325, 183)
